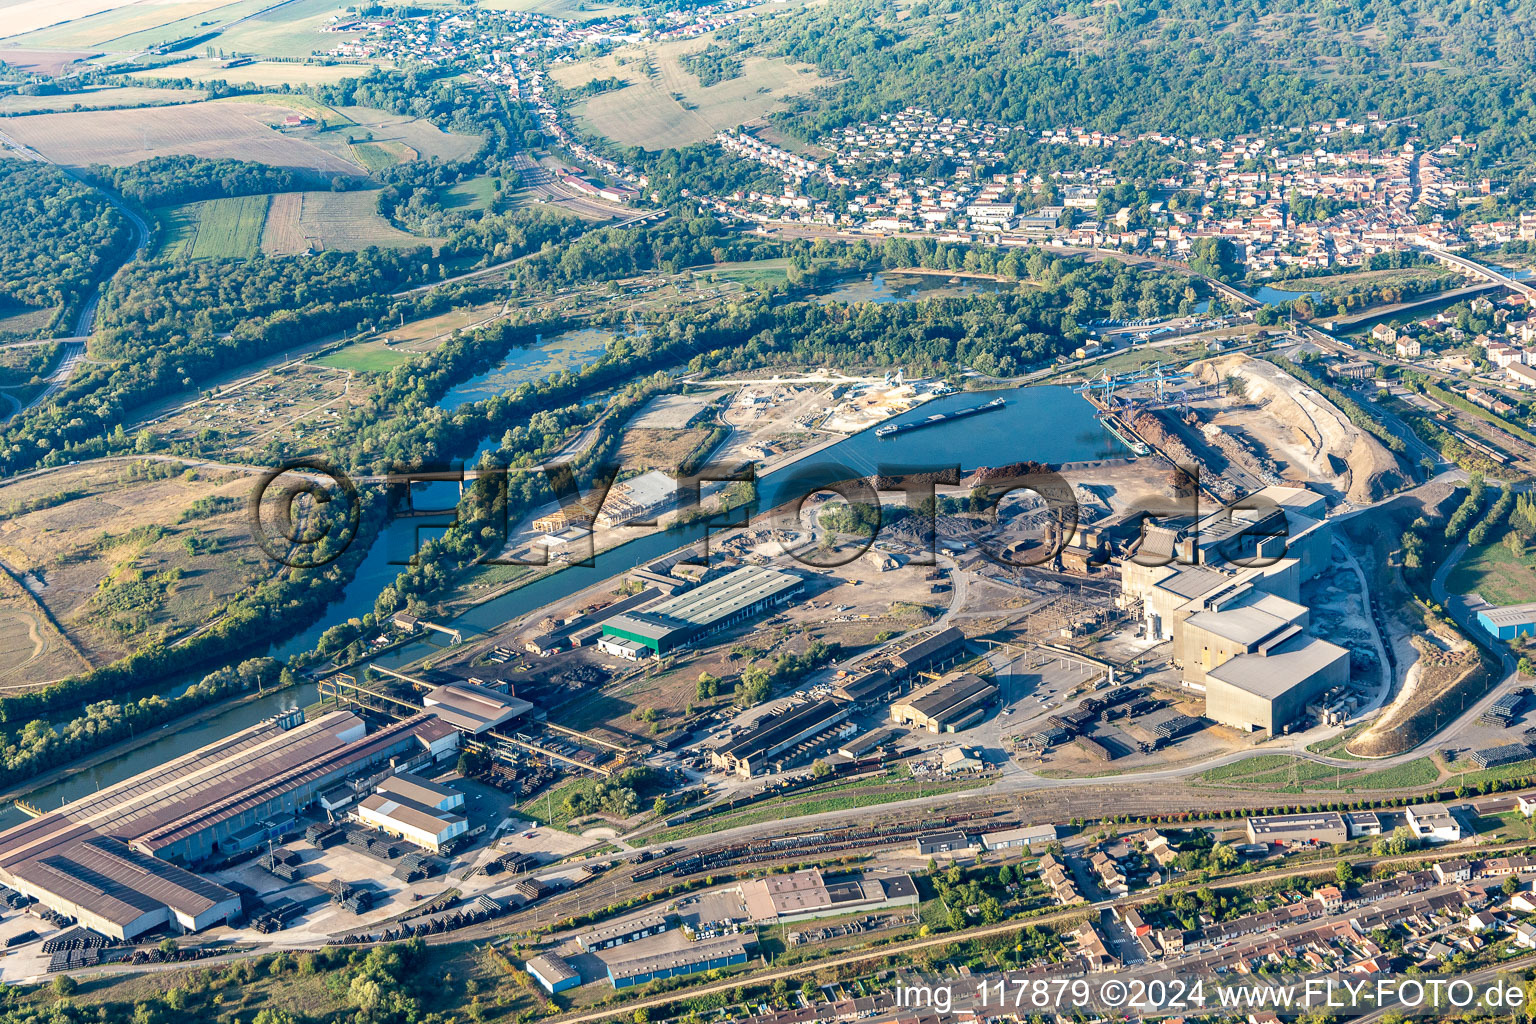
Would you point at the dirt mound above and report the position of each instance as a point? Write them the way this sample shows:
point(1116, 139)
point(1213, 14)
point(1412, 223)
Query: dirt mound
point(1301, 430)
point(1449, 674)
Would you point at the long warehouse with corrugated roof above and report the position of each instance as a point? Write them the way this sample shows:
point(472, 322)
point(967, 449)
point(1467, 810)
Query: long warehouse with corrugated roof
point(949, 705)
point(114, 860)
point(683, 618)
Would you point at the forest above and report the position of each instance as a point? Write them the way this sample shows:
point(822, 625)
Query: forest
point(56, 236)
point(163, 180)
point(1211, 67)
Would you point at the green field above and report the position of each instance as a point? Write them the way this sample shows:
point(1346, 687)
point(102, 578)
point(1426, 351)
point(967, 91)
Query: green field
point(376, 156)
point(755, 274)
point(293, 30)
point(215, 228)
point(1248, 766)
point(474, 194)
point(1493, 572)
point(1419, 772)
point(262, 73)
point(1503, 773)
point(1283, 773)
point(364, 358)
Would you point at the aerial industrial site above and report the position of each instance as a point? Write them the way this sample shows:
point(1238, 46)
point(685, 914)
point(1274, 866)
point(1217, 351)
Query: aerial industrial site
point(611, 512)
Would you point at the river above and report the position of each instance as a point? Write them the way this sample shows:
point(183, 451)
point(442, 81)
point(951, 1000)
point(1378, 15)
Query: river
point(1274, 296)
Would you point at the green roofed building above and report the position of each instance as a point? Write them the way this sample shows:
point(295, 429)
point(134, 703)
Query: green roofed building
point(683, 618)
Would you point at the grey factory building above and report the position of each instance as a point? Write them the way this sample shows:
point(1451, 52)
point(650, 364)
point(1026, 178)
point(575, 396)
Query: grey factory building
point(1271, 688)
point(1237, 639)
point(948, 705)
point(760, 747)
point(1316, 827)
point(806, 895)
point(683, 618)
point(474, 709)
point(116, 860)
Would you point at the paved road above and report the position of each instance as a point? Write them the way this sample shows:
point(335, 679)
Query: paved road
point(72, 355)
point(39, 342)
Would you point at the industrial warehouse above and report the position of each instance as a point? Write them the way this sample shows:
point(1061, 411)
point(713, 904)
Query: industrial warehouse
point(114, 860)
point(416, 810)
point(678, 621)
point(769, 743)
point(1231, 608)
point(807, 895)
point(474, 709)
point(946, 705)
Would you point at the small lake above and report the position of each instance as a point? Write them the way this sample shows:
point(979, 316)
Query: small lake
point(568, 350)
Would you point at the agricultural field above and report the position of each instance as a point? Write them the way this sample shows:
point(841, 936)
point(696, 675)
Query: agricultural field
point(137, 25)
point(377, 156)
point(474, 194)
point(1495, 574)
point(215, 228)
point(665, 106)
point(575, 10)
point(373, 139)
point(261, 73)
point(99, 97)
point(414, 133)
point(293, 30)
point(120, 553)
point(300, 221)
point(41, 62)
point(216, 130)
point(282, 105)
point(19, 320)
point(22, 16)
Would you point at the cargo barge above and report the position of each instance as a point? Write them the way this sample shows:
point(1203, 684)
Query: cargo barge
point(891, 429)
